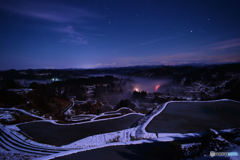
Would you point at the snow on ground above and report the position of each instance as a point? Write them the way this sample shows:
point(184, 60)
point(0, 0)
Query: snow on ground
point(136, 135)
point(14, 145)
point(77, 123)
point(122, 108)
point(189, 145)
point(74, 118)
point(6, 116)
point(91, 148)
point(21, 110)
point(15, 156)
point(123, 137)
point(68, 110)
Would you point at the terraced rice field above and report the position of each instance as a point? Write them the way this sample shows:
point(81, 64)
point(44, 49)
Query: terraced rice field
point(110, 114)
point(185, 117)
point(13, 142)
point(55, 134)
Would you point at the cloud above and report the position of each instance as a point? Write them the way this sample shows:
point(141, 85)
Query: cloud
point(100, 65)
point(158, 40)
point(178, 59)
point(50, 11)
point(72, 35)
point(61, 18)
point(199, 57)
point(227, 44)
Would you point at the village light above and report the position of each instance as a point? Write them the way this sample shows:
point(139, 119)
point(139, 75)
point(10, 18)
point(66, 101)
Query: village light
point(157, 87)
point(136, 89)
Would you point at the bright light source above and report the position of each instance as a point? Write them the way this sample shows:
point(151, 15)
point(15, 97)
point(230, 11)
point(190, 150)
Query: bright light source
point(157, 87)
point(136, 89)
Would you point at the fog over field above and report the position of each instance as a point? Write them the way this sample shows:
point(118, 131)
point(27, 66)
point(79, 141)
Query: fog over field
point(149, 85)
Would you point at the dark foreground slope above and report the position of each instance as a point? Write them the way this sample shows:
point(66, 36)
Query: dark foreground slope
point(146, 151)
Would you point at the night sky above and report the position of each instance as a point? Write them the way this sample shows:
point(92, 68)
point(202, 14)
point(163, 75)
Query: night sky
point(115, 33)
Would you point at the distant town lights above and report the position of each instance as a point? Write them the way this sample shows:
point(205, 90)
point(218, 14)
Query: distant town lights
point(55, 79)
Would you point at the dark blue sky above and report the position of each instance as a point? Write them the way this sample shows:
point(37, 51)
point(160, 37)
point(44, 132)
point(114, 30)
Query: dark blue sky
point(101, 33)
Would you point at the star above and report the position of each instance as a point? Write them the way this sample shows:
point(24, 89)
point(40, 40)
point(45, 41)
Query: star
point(191, 31)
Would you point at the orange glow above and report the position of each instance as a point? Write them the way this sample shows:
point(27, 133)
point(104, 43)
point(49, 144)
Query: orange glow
point(136, 89)
point(157, 87)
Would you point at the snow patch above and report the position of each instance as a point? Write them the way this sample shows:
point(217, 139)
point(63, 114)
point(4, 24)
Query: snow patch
point(6, 116)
